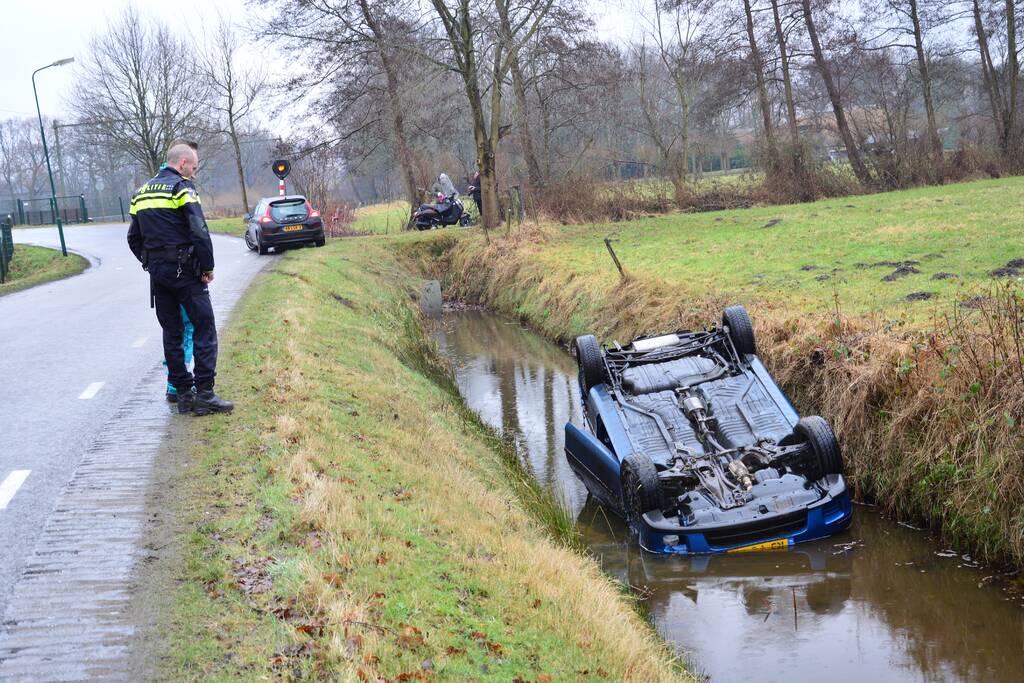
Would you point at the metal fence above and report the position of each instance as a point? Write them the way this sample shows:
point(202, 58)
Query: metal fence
point(72, 209)
point(6, 247)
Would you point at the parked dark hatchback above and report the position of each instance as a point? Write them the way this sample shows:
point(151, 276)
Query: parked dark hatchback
point(287, 221)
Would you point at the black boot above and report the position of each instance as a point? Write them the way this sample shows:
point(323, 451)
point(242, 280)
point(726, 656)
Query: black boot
point(172, 396)
point(208, 402)
point(186, 401)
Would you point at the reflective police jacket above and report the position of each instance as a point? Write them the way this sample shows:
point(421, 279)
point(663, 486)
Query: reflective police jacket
point(166, 215)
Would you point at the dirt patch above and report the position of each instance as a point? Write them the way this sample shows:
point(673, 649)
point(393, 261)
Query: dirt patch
point(901, 272)
point(919, 296)
point(772, 223)
point(343, 301)
point(1005, 271)
point(976, 302)
point(809, 267)
point(942, 275)
point(894, 264)
point(823, 278)
point(1015, 263)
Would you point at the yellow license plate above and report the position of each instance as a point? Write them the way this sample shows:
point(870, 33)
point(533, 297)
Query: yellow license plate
point(292, 228)
point(780, 544)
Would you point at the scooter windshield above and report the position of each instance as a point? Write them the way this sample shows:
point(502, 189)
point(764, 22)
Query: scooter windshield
point(444, 184)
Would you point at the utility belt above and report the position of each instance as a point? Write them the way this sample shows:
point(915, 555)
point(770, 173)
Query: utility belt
point(184, 257)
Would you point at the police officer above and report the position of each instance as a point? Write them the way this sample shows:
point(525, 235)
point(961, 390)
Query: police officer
point(168, 235)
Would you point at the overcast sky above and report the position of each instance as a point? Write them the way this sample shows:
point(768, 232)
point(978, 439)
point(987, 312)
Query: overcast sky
point(43, 31)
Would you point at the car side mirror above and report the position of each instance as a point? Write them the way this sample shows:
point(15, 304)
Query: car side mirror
point(247, 217)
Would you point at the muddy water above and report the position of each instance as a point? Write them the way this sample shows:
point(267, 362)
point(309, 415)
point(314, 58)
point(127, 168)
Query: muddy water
point(881, 602)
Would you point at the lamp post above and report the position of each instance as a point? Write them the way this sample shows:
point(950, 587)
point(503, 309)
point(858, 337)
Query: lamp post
point(46, 153)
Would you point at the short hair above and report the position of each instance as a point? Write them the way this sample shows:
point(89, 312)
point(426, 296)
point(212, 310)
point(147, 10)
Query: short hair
point(180, 148)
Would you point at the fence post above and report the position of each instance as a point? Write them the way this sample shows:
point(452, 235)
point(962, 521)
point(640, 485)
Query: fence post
point(21, 211)
point(6, 246)
point(120, 203)
point(84, 211)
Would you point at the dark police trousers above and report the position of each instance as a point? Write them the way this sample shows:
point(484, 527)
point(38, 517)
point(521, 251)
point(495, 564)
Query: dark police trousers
point(170, 290)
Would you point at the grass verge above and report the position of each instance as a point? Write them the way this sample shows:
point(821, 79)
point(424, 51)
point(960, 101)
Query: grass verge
point(227, 226)
point(928, 403)
point(35, 265)
point(380, 219)
point(353, 520)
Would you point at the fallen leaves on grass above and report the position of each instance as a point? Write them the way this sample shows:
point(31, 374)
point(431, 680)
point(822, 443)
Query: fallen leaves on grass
point(253, 577)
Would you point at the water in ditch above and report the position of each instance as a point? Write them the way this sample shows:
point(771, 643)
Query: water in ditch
point(880, 602)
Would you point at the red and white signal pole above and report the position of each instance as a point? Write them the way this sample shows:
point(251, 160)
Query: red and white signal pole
point(281, 168)
point(280, 187)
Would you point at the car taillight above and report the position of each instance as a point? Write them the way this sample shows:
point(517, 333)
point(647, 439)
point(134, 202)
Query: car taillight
point(266, 219)
point(313, 213)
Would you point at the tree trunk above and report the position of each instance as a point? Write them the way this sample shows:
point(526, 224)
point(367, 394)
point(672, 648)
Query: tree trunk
point(859, 169)
point(989, 75)
point(238, 162)
point(787, 83)
point(1013, 76)
point(762, 91)
point(533, 171)
point(926, 87)
point(405, 161)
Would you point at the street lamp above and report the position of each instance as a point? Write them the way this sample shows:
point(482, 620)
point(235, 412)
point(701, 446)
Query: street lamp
point(46, 153)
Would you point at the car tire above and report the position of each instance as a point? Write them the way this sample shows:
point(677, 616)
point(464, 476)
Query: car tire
point(641, 488)
point(248, 241)
point(741, 330)
point(263, 251)
point(591, 362)
point(321, 241)
point(826, 458)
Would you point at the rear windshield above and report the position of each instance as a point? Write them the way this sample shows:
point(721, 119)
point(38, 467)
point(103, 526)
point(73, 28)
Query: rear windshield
point(288, 210)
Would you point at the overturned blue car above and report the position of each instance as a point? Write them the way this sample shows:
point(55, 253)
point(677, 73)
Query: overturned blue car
point(692, 442)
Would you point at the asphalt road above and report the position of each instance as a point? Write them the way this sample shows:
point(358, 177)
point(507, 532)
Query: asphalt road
point(70, 353)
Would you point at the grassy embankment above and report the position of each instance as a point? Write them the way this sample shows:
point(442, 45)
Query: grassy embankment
point(354, 521)
point(927, 396)
point(35, 265)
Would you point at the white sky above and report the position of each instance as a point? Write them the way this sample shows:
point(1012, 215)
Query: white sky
point(43, 31)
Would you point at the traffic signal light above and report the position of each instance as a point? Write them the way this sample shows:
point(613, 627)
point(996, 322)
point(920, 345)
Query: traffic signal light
point(281, 168)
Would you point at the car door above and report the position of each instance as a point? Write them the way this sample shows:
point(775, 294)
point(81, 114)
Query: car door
point(254, 220)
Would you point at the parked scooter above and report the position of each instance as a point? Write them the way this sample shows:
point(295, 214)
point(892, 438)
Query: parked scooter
point(447, 209)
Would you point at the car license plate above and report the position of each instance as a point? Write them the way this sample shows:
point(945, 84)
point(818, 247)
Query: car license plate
point(292, 228)
point(780, 544)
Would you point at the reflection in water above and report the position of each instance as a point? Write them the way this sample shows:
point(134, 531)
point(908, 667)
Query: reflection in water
point(874, 604)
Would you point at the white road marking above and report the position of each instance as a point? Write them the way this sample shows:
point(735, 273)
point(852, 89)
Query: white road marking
point(11, 485)
point(139, 343)
point(90, 390)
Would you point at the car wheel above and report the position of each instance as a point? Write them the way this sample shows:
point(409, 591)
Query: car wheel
point(826, 457)
point(248, 241)
point(741, 330)
point(321, 241)
point(262, 249)
point(591, 361)
point(641, 488)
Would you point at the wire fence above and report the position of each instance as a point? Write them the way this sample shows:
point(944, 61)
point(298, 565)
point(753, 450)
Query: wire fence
point(71, 208)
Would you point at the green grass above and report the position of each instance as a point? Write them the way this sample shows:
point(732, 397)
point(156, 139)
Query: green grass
point(35, 265)
point(352, 518)
point(965, 229)
point(386, 218)
point(227, 226)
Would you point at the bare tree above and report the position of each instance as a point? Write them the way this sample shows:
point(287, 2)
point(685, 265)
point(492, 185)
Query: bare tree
point(356, 49)
point(852, 150)
point(482, 44)
point(233, 91)
point(138, 85)
point(757, 64)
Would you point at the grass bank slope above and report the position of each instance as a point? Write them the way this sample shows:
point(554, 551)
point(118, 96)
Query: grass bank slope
point(927, 402)
point(35, 265)
point(386, 218)
point(227, 226)
point(354, 521)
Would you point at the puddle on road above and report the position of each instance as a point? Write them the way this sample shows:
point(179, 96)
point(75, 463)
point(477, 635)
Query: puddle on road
point(880, 602)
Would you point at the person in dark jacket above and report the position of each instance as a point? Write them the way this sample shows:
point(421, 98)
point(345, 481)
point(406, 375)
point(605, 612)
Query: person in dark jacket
point(169, 236)
point(474, 191)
